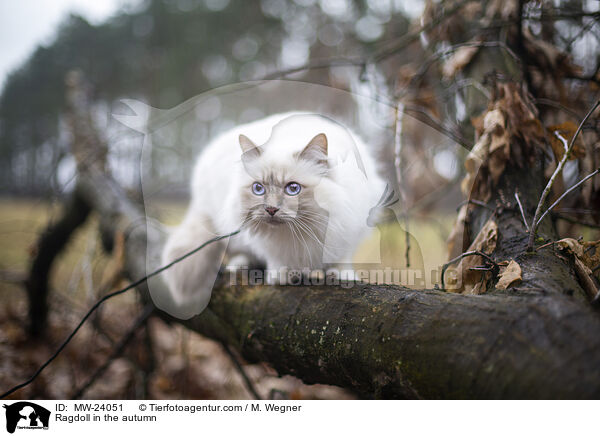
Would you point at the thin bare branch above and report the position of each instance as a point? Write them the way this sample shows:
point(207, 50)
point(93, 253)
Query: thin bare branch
point(567, 192)
point(522, 212)
point(398, 167)
point(538, 212)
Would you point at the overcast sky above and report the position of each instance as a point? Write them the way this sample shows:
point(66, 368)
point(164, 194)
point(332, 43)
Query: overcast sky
point(25, 24)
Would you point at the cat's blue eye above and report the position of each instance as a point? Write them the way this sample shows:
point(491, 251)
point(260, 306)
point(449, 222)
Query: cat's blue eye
point(258, 189)
point(292, 188)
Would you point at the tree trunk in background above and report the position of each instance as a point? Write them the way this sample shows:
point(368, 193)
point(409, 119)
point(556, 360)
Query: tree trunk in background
point(513, 163)
point(54, 238)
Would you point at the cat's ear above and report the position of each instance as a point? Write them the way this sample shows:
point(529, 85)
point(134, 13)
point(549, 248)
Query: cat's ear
point(249, 151)
point(316, 149)
point(247, 145)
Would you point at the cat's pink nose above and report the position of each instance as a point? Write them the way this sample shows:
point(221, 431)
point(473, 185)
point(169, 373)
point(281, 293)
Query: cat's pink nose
point(271, 210)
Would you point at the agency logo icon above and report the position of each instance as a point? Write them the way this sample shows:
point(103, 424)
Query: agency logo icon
point(26, 415)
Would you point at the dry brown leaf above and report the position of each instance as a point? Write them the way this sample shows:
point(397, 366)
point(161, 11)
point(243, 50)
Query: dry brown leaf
point(572, 245)
point(473, 164)
point(456, 240)
point(486, 238)
point(566, 130)
point(446, 28)
point(472, 281)
point(510, 275)
point(459, 60)
point(582, 250)
point(499, 148)
point(547, 66)
point(477, 123)
point(479, 154)
point(491, 151)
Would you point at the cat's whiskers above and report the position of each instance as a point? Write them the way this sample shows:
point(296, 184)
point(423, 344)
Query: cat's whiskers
point(310, 232)
point(320, 224)
point(331, 229)
point(307, 212)
point(331, 246)
point(310, 262)
point(323, 219)
point(295, 234)
point(289, 224)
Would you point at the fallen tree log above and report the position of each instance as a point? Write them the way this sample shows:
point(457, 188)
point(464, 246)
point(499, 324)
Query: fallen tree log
point(387, 342)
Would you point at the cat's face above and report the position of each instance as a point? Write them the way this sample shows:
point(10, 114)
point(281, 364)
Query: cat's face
point(278, 189)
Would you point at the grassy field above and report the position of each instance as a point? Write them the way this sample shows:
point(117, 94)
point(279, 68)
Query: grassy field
point(78, 269)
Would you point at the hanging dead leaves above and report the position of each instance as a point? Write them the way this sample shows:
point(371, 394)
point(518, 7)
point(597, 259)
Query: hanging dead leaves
point(509, 134)
point(508, 131)
point(459, 60)
point(547, 66)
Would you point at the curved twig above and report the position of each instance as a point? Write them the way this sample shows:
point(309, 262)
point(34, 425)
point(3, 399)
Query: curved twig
point(459, 257)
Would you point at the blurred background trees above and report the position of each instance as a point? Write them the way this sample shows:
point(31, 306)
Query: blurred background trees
point(164, 52)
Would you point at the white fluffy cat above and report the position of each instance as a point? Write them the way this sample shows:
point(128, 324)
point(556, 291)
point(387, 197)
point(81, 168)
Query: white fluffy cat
point(300, 186)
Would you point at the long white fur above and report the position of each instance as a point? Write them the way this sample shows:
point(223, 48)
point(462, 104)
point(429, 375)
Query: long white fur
point(346, 192)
